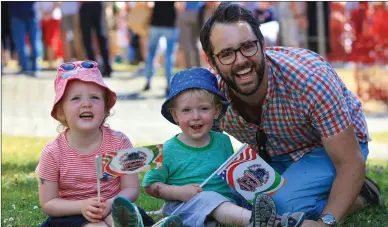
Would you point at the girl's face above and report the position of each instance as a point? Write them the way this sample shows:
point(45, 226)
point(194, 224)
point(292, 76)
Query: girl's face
point(83, 106)
point(194, 113)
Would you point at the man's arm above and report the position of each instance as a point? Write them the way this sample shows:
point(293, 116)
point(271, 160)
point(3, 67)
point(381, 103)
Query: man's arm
point(344, 150)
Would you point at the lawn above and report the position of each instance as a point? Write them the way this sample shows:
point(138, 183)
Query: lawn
point(20, 204)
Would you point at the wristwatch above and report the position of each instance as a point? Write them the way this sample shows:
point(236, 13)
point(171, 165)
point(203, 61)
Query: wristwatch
point(328, 219)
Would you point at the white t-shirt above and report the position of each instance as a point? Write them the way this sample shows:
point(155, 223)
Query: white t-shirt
point(69, 8)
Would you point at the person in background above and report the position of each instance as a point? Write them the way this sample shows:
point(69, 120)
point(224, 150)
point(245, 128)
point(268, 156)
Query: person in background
point(189, 27)
point(70, 31)
point(163, 21)
point(92, 17)
point(7, 43)
point(24, 20)
point(50, 24)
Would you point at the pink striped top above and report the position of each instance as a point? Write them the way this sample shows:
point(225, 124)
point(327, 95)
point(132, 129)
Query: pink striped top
point(75, 172)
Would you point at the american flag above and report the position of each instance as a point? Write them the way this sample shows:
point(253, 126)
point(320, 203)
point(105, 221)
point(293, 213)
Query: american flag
point(249, 174)
point(246, 155)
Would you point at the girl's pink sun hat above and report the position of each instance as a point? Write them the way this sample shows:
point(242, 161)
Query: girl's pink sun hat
point(83, 74)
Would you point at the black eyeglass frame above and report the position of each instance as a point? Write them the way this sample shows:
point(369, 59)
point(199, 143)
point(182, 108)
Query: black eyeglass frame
point(239, 50)
point(261, 141)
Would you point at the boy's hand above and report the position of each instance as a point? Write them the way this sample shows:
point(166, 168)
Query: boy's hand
point(92, 210)
point(188, 191)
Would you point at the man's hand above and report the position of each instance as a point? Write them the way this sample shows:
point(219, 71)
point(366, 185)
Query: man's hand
point(188, 191)
point(311, 223)
point(92, 210)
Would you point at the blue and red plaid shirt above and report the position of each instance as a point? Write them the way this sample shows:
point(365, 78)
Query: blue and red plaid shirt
point(306, 101)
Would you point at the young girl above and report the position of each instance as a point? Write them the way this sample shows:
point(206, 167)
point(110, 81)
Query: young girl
point(66, 170)
point(194, 103)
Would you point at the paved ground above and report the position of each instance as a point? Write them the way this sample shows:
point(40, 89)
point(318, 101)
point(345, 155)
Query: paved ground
point(27, 102)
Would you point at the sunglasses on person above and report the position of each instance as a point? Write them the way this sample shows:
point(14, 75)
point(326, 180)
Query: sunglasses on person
point(68, 66)
point(261, 140)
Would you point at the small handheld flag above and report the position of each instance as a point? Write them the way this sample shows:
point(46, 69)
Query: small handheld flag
point(249, 174)
point(132, 160)
point(99, 174)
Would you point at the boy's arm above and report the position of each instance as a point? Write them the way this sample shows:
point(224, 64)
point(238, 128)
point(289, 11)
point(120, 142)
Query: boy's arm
point(54, 206)
point(171, 192)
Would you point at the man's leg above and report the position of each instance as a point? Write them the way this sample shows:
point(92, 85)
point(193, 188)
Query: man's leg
point(153, 41)
point(18, 29)
point(309, 181)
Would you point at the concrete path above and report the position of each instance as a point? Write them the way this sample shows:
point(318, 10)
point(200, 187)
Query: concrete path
point(27, 102)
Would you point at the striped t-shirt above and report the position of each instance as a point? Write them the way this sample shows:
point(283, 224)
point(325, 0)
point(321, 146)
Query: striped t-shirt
point(75, 172)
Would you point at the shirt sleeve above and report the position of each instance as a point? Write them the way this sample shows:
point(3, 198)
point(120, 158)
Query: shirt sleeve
point(125, 142)
point(48, 167)
point(324, 103)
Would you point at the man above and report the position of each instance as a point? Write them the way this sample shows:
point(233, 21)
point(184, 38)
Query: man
point(292, 108)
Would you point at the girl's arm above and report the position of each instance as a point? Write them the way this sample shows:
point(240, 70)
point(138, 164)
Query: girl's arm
point(54, 206)
point(171, 192)
point(130, 187)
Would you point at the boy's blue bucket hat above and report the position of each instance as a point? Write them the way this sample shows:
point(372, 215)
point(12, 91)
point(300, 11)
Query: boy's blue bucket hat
point(192, 78)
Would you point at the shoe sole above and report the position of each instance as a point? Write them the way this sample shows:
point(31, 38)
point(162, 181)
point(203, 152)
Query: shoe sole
point(264, 211)
point(124, 213)
point(375, 188)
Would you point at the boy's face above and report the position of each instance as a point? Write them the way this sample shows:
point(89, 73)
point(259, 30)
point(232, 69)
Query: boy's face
point(82, 106)
point(194, 113)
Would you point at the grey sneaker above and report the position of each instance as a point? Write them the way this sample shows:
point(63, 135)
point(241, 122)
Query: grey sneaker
point(263, 212)
point(370, 193)
point(125, 213)
point(292, 219)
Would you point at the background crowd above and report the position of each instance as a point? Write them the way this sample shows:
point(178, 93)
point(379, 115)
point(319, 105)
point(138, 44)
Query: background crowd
point(166, 33)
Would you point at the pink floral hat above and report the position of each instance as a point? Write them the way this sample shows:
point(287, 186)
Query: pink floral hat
point(86, 71)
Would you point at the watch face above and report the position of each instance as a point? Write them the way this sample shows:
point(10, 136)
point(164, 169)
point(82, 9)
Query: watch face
point(328, 219)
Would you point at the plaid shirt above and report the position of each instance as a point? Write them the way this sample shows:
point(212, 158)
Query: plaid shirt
point(305, 102)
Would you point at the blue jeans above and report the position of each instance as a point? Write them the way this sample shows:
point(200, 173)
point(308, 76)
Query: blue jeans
point(155, 34)
point(19, 27)
point(308, 182)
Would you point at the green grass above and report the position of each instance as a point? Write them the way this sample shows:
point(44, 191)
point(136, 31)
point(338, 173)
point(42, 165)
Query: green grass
point(20, 203)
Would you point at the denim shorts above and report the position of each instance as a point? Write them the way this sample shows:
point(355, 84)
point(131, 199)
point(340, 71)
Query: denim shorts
point(308, 182)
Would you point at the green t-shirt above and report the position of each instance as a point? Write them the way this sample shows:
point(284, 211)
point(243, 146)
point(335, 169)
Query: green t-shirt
point(183, 164)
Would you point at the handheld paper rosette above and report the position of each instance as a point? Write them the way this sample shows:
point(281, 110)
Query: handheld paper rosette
point(132, 160)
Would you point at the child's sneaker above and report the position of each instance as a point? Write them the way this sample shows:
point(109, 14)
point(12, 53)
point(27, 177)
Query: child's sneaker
point(125, 213)
point(263, 212)
point(171, 221)
point(291, 219)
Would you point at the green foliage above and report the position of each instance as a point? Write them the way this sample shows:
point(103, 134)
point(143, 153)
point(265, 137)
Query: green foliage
point(20, 202)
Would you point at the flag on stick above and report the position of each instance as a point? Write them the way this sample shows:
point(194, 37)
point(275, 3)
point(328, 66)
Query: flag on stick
point(99, 174)
point(132, 160)
point(249, 174)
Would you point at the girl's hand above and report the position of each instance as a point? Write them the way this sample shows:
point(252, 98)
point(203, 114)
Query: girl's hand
point(107, 209)
point(188, 191)
point(92, 210)
point(311, 223)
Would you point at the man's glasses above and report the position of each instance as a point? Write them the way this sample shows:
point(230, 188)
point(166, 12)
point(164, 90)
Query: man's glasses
point(73, 65)
point(261, 140)
point(228, 56)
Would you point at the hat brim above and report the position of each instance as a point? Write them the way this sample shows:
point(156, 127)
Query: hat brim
point(165, 107)
point(61, 92)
